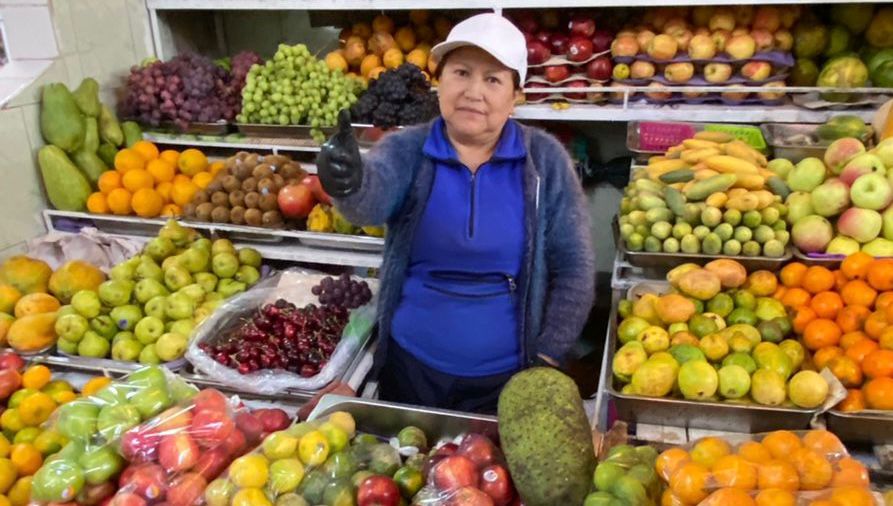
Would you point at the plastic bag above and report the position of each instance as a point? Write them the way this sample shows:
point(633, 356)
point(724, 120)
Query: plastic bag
point(89, 245)
point(293, 286)
point(626, 472)
point(94, 426)
point(791, 467)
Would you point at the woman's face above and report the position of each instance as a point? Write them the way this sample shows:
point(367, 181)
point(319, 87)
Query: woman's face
point(476, 92)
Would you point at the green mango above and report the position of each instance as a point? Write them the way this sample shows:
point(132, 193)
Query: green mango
point(67, 189)
point(61, 122)
point(86, 96)
point(109, 128)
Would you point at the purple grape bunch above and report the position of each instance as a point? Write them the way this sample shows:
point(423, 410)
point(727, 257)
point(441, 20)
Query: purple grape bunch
point(342, 291)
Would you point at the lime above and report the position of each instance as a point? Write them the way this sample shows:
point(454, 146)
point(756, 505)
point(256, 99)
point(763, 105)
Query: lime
point(745, 299)
point(721, 304)
point(690, 244)
point(724, 231)
point(681, 230)
point(671, 245)
point(731, 248)
point(743, 234)
point(701, 232)
point(752, 219)
point(625, 308)
point(732, 217)
point(751, 249)
point(285, 475)
point(336, 437)
point(409, 480)
point(742, 315)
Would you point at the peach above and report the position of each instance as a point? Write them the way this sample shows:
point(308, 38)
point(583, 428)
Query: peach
point(679, 72)
point(756, 70)
point(641, 69)
point(662, 47)
point(842, 151)
point(701, 47)
point(683, 38)
point(624, 46)
point(741, 47)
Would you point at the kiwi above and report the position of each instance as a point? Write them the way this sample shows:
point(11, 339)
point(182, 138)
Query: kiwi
point(230, 183)
point(220, 199)
point(276, 160)
point(203, 211)
point(292, 170)
point(220, 214)
point(271, 219)
point(236, 198)
point(261, 171)
point(252, 159)
point(253, 217)
point(215, 186)
point(189, 210)
point(230, 162)
point(268, 202)
point(242, 171)
point(237, 215)
point(252, 199)
point(249, 184)
point(278, 182)
point(266, 185)
point(241, 155)
point(200, 197)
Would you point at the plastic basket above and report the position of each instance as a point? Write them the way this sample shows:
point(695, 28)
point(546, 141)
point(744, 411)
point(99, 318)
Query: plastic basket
point(658, 136)
point(749, 134)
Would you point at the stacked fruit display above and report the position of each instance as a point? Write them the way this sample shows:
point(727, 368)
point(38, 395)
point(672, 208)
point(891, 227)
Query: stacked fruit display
point(720, 335)
point(294, 88)
point(626, 475)
point(711, 194)
point(849, 185)
point(368, 49)
point(716, 46)
point(780, 467)
point(89, 462)
point(401, 96)
point(842, 318)
point(149, 183)
point(148, 308)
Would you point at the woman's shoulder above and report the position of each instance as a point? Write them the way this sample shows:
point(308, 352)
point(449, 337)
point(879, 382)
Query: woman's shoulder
point(543, 147)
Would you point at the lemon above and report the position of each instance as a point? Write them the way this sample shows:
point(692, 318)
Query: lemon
point(249, 471)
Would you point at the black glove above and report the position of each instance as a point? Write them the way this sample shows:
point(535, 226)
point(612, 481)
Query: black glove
point(339, 164)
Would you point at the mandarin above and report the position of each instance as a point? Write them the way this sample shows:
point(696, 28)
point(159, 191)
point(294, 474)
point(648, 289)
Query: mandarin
point(821, 333)
point(822, 357)
point(854, 401)
point(852, 318)
point(846, 370)
point(855, 266)
point(883, 301)
point(818, 279)
point(851, 338)
point(803, 316)
point(761, 283)
point(880, 274)
point(775, 497)
point(826, 304)
point(791, 275)
point(729, 497)
point(669, 461)
point(824, 442)
point(735, 471)
point(858, 292)
point(813, 469)
point(781, 443)
point(852, 496)
point(878, 364)
point(796, 297)
point(690, 482)
point(778, 474)
point(878, 393)
point(858, 350)
point(849, 472)
point(754, 451)
point(109, 180)
point(875, 324)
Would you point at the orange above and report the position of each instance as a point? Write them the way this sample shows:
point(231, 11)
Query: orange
point(26, 459)
point(109, 180)
point(182, 192)
point(846, 370)
point(851, 338)
point(119, 201)
point(860, 349)
point(202, 179)
point(883, 301)
point(826, 304)
point(852, 318)
point(736, 472)
point(136, 179)
point(878, 393)
point(775, 497)
point(180, 178)
point(791, 275)
point(63, 396)
point(708, 450)
point(754, 451)
point(852, 496)
point(36, 377)
point(216, 167)
point(795, 297)
point(820, 333)
point(880, 274)
point(821, 502)
point(888, 312)
point(761, 283)
point(818, 279)
point(170, 156)
point(802, 317)
point(146, 202)
point(878, 364)
point(729, 497)
point(164, 189)
point(781, 444)
point(779, 292)
point(855, 266)
point(875, 324)
point(690, 482)
point(170, 210)
point(127, 160)
point(96, 203)
point(886, 339)
point(853, 402)
point(824, 443)
point(822, 357)
point(36, 409)
point(840, 280)
point(778, 474)
point(669, 461)
point(668, 498)
point(145, 148)
point(94, 385)
point(849, 472)
point(8, 474)
point(192, 161)
point(813, 470)
point(162, 171)
point(858, 292)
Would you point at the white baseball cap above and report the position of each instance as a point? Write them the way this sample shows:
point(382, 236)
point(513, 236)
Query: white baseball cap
point(492, 33)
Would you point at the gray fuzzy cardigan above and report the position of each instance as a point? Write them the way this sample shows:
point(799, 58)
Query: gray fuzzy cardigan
point(557, 281)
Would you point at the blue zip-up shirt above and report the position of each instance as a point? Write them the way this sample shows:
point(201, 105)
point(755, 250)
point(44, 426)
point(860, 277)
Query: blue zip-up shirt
point(459, 311)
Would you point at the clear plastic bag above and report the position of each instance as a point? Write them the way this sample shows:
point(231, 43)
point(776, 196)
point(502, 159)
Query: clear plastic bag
point(293, 286)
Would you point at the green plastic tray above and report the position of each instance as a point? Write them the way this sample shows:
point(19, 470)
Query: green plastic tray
point(749, 134)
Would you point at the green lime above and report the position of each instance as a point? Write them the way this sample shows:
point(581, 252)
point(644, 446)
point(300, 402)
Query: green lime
point(722, 304)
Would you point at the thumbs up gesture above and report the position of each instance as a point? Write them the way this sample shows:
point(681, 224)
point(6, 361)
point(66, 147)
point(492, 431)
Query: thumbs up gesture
point(339, 164)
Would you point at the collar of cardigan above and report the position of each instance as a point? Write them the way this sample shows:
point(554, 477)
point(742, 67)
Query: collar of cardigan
point(509, 147)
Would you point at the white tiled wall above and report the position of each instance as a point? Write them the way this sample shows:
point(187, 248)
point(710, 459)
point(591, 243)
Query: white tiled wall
point(97, 38)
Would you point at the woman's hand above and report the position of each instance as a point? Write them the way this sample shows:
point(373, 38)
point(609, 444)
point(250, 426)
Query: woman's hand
point(339, 163)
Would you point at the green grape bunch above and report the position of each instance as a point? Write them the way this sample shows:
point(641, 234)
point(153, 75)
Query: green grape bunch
point(296, 88)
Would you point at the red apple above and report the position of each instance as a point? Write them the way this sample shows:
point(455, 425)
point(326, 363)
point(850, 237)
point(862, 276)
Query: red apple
point(10, 381)
point(127, 499)
point(641, 69)
point(235, 444)
point(543, 36)
point(601, 40)
point(295, 201)
point(557, 73)
point(171, 420)
point(469, 496)
point(212, 462)
point(211, 428)
point(11, 360)
point(273, 419)
point(579, 49)
point(558, 43)
point(582, 26)
point(756, 70)
point(251, 427)
point(478, 448)
point(717, 72)
point(526, 22)
point(378, 491)
point(537, 52)
point(528, 37)
point(140, 445)
point(600, 68)
point(312, 182)
point(211, 400)
point(146, 480)
point(186, 490)
point(496, 483)
point(533, 97)
point(455, 472)
point(177, 452)
point(767, 17)
point(576, 84)
point(624, 46)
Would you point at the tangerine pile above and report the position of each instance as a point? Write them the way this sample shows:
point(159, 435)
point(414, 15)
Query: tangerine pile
point(149, 183)
point(777, 470)
point(844, 318)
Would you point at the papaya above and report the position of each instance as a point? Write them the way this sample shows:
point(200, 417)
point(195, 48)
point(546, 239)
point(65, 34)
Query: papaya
point(106, 153)
point(132, 133)
point(9, 295)
point(86, 96)
point(6, 320)
point(66, 187)
point(109, 128)
point(91, 135)
point(36, 303)
point(90, 164)
point(731, 273)
point(26, 274)
point(32, 333)
point(73, 277)
point(674, 308)
point(61, 122)
point(700, 284)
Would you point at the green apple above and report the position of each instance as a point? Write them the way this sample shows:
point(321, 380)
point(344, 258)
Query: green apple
point(115, 292)
point(179, 306)
point(66, 346)
point(207, 281)
point(160, 248)
point(126, 316)
point(147, 289)
point(202, 243)
point(248, 275)
point(112, 395)
point(148, 269)
point(150, 376)
point(250, 256)
point(193, 291)
point(148, 356)
point(93, 345)
point(124, 334)
point(77, 419)
point(225, 265)
point(177, 277)
point(66, 310)
point(151, 401)
point(114, 420)
point(71, 327)
point(155, 307)
point(229, 287)
point(171, 346)
point(149, 329)
point(195, 260)
point(87, 303)
point(57, 481)
point(183, 327)
point(100, 464)
point(104, 326)
point(125, 270)
point(127, 349)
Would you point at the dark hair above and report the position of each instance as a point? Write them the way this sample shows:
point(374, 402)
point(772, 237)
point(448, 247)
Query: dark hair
point(516, 78)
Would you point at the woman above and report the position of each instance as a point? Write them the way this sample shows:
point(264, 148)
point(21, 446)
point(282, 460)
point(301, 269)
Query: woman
point(488, 264)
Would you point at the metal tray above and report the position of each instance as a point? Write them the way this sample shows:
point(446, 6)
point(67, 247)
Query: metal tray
point(667, 261)
point(286, 131)
point(779, 137)
point(105, 364)
point(196, 128)
point(871, 427)
point(386, 418)
point(829, 261)
point(340, 241)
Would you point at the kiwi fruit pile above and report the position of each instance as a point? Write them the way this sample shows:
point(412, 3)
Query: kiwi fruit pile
point(244, 191)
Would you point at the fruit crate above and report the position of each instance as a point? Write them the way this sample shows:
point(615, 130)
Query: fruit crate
point(868, 427)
